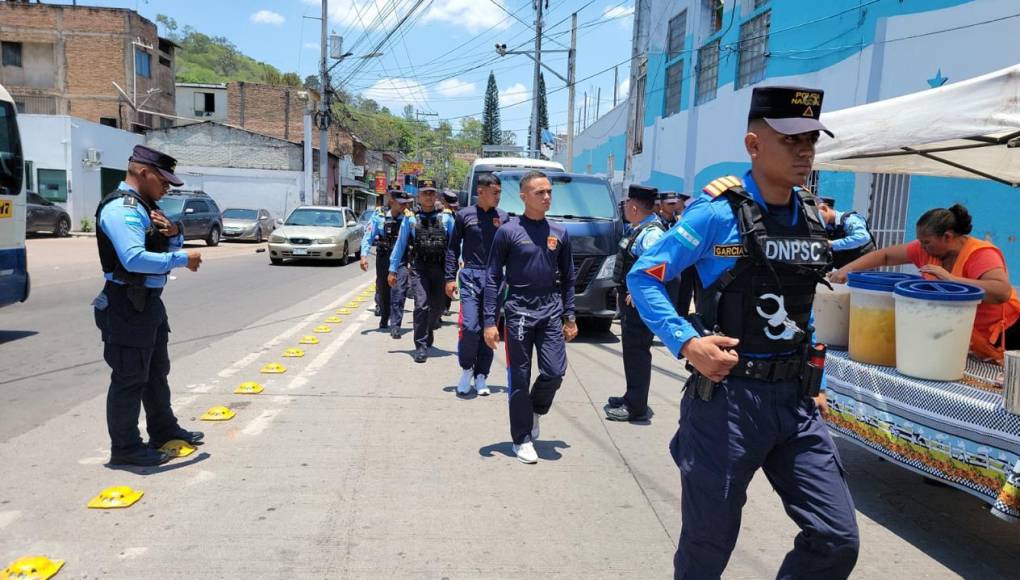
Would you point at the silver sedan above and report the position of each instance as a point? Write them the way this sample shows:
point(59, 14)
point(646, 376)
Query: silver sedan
point(247, 224)
point(318, 233)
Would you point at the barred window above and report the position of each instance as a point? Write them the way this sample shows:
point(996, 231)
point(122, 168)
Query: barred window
point(677, 31)
point(754, 38)
point(674, 87)
point(708, 72)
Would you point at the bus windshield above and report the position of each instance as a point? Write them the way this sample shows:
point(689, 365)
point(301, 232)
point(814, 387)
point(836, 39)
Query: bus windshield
point(11, 161)
point(573, 197)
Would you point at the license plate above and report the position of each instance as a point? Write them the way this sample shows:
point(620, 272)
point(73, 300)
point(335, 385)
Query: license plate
point(300, 252)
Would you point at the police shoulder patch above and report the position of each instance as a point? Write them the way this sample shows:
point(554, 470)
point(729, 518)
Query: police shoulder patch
point(658, 272)
point(130, 201)
point(408, 212)
point(718, 186)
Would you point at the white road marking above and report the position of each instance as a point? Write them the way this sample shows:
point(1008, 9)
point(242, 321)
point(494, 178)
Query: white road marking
point(328, 353)
point(257, 425)
point(9, 517)
point(201, 477)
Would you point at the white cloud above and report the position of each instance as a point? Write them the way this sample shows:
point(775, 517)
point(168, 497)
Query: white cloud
point(624, 14)
point(455, 88)
point(397, 92)
point(362, 14)
point(267, 17)
point(623, 90)
point(473, 15)
point(515, 94)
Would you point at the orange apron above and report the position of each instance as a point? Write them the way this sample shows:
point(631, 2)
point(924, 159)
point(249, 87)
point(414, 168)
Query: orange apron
point(987, 342)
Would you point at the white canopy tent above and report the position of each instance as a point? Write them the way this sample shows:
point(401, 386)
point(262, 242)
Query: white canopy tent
point(968, 129)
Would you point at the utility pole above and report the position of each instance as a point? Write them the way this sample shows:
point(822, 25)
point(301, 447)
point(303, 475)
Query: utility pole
point(535, 137)
point(324, 109)
point(598, 104)
point(616, 83)
point(571, 66)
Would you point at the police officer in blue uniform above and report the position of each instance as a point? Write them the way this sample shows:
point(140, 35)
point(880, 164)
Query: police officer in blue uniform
point(532, 256)
point(430, 231)
point(848, 233)
point(138, 246)
point(474, 228)
point(671, 207)
point(637, 339)
point(759, 247)
point(382, 233)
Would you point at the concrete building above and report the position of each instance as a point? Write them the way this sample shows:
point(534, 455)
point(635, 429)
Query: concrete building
point(73, 162)
point(63, 60)
point(695, 63)
point(201, 102)
point(237, 167)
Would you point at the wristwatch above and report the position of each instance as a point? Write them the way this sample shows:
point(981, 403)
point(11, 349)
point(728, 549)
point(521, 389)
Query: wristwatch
point(569, 318)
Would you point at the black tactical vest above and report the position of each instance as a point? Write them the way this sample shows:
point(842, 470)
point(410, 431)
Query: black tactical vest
point(391, 231)
point(840, 259)
point(765, 300)
point(430, 239)
point(154, 241)
point(625, 257)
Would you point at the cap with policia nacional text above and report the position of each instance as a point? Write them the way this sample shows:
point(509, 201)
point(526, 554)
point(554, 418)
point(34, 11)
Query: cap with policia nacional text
point(159, 161)
point(426, 185)
point(788, 110)
point(642, 192)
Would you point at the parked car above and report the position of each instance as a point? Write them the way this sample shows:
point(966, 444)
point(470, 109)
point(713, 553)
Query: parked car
point(585, 205)
point(317, 232)
point(196, 212)
point(247, 224)
point(46, 216)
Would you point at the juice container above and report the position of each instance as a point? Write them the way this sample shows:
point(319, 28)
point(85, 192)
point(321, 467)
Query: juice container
point(934, 320)
point(873, 316)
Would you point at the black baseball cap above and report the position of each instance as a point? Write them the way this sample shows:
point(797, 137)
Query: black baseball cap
point(829, 201)
point(788, 110)
point(642, 192)
point(450, 197)
point(426, 185)
point(672, 197)
point(159, 161)
point(400, 196)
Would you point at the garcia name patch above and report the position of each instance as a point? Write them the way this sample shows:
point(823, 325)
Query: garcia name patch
point(729, 251)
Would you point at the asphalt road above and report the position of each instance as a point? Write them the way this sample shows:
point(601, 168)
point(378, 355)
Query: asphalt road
point(358, 463)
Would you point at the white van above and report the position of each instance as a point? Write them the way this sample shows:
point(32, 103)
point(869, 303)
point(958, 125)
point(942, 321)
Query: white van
point(492, 164)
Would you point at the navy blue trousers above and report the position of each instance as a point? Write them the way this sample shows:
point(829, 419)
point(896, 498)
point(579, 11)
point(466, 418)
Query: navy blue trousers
point(429, 284)
point(406, 280)
point(135, 347)
point(721, 443)
point(472, 352)
point(533, 324)
point(637, 358)
point(383, 292)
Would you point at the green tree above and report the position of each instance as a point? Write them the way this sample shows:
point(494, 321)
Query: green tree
point(543, 110)
point(312, 82)
point(491, 132)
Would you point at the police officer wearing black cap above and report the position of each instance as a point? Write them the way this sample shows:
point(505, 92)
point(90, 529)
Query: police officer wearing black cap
point(639, 209)
point(138, 246)
point(848, 233)
point(671, 206)
point(429, 230)
point(759, 247)
point(382, 233)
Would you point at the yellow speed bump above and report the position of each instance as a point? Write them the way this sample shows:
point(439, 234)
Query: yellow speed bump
point(273, 369)
point(178, 448)
point(323, 329)
point(293, 353)
point(367, 294)
point(344, 311)
point(118, 496)
point(333, 320)
point(309, 340)
point(248, 388)
point(32, 567)
point(352, 305)
point(218, 414)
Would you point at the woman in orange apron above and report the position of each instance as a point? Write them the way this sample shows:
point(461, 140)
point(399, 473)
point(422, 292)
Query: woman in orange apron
point(945, 250)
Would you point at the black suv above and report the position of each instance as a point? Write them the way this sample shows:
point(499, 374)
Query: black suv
point(196, 212)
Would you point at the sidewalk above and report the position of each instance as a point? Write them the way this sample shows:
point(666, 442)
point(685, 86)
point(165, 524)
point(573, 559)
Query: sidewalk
point(358, 463)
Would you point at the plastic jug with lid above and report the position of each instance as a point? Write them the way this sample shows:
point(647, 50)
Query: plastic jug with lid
point(934, 320)
point(873, 316)
point(832, 315)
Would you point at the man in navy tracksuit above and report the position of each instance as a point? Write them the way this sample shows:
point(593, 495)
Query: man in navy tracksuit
point(760, 249)
point(532, 256)
point(474, 228)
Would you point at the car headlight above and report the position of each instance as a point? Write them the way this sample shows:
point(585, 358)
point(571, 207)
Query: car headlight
point(277, 239)
point(326, 241)
point(606, 271)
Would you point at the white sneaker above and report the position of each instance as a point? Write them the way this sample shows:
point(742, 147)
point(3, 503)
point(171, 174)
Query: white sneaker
point(481, 387)
point(526, 452)
point(534, 427)
point(465, 382)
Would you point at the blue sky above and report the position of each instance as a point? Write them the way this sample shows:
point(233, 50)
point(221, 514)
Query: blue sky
point(427, 63)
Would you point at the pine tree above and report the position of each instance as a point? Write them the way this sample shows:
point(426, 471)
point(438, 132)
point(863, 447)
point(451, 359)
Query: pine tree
point(491, 133)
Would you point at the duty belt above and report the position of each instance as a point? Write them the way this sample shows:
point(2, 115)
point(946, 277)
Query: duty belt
point(769, 370)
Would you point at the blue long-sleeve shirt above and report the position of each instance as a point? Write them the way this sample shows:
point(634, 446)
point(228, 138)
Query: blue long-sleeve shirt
point(707, 224)
point(407, 229)
point(534, 258)
point(648, 237)
point(856, 229)
point(473, 232)
point(125, 226)
point(372, 230)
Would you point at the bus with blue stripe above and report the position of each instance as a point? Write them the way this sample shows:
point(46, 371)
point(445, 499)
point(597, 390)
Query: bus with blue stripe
point(14, 280)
